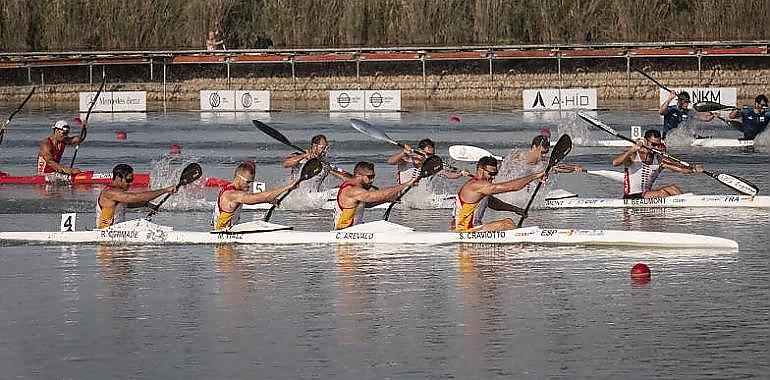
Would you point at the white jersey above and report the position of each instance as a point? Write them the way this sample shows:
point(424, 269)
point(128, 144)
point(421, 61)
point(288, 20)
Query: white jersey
point(406, 171)
point(640, 176)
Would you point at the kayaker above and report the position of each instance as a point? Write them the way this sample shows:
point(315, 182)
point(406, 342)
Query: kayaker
point(319, 146)
point(52, 149)
point(234, 195)
point(754, 119)
point(113, 200)
point(357, 194)
point(642, 167)
point(409, 162)
point(536, 158)
point(677, 114)
point(476, 195)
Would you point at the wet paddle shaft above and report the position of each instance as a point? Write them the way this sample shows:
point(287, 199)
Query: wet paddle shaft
point(560, 150)
point(88, 114)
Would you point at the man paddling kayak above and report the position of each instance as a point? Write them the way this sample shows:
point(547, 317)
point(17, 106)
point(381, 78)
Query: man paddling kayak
point(318, 148)
point(677, 114)
point(410, 161)
point(536, 157)
point(476, 195)
point(356, 194)
point(234, 195)
point(113, 200)
point(754, 120)
point(643, 167)
point(52, 149)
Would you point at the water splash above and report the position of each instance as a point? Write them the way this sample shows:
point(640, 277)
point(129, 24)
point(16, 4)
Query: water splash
point(165, 171)
point(514, 165)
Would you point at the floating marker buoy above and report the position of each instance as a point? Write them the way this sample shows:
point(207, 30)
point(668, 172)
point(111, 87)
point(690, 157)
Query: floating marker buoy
point(640, 271)
point(121, 135)
point(454, 119)
point(175, 149)
point(545, 132)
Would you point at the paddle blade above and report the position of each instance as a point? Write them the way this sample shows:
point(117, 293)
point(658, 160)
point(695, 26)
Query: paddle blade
point(190, 174)
point(709, 106)
point(311, 168)
point(431, 166)
point(272, 132)
point(560, 150)
point(469, 153)
point(736, 183)
point(371, 131)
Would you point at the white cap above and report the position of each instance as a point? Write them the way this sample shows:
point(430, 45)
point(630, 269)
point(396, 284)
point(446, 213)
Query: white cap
point(61, 124)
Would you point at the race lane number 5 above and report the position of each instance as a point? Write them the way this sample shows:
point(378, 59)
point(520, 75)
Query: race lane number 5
point(68, 222)
point(257, 187)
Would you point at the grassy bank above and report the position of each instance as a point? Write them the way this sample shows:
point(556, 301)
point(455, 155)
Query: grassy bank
point(43, 25)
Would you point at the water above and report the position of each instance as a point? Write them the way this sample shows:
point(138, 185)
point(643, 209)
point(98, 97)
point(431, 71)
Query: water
point(362, 311)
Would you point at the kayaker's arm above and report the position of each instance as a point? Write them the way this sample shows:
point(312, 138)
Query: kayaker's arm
point(675, 167)
point(663, 110)
point(80, 137)
point(625, 156)
point(261, 197)
point(136, 199)
point(380, 195)
point(294, 160)
point(400, 156)
point(515, 184)
point(500, 205)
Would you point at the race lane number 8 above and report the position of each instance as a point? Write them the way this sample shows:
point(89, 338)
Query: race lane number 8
point(68, 222)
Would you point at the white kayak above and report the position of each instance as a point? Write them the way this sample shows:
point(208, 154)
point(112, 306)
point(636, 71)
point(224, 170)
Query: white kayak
point(140, 231)
point(438, 201)
point(676, 201)
point(709, 142)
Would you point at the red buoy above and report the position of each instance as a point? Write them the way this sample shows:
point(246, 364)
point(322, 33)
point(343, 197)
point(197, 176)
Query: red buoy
point(121, 135)
point(640, 271)
point(175, 149)
point(454, 119)
point(76, 121)
point(545, 132)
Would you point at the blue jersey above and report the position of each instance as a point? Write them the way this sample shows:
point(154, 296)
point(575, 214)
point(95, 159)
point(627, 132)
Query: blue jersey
point(674, 116)
point(753, 123)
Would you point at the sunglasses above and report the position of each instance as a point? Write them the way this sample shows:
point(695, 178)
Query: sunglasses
point(491, 173)
point(64, 130)
point(129, 178)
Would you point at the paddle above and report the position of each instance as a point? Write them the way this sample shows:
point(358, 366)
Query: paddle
point(651, 79)
point(706, 106)
point(88, 114)
point(560, 150)
point(8, 120)
point(734, 182)
point(311, 168)
point(272, 132)
point(473, 154)
point(377, 134)
point(431, 166)
point(189, 175)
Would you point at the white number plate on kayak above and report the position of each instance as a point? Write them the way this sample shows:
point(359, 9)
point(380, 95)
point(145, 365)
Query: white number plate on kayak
point(68, 222)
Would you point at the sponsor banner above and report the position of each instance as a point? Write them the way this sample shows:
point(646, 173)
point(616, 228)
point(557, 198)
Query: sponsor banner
point(217, 100)
point(347, 100)
point(555, 99)
point(247, 100)
point(724, 95)
point(382, 100)
point(114, 101)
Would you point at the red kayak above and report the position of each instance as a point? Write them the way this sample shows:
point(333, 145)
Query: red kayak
point(87, 178)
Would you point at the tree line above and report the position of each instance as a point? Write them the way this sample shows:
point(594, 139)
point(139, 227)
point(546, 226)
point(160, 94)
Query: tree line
point(56, 25)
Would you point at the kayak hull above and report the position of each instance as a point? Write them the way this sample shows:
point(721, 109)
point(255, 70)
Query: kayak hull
point(380, 232)
point(676, 201)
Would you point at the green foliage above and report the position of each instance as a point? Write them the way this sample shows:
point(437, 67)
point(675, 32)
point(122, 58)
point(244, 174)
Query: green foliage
point(27, 25)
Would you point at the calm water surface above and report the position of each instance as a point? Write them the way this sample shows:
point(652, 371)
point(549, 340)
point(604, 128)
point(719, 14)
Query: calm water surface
point(361, 311)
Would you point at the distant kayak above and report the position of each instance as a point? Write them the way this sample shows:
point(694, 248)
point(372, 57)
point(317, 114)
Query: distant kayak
point(86, 178)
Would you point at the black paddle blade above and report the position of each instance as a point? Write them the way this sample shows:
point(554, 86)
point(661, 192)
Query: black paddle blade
point(190, 174)
point(560, 150)
point(431, 166)
point(311, 168)
point(270, 131)
point(710, 106)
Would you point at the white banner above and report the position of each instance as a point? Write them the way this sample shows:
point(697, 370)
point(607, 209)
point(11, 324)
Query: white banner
point(346, 100)
point(724, 95)
point(217, 100)
point(114, 101)
point(555, 99)
point(382, 100)
point(247, 100)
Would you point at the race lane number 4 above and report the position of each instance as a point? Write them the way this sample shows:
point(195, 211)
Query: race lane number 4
point(68, 222)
